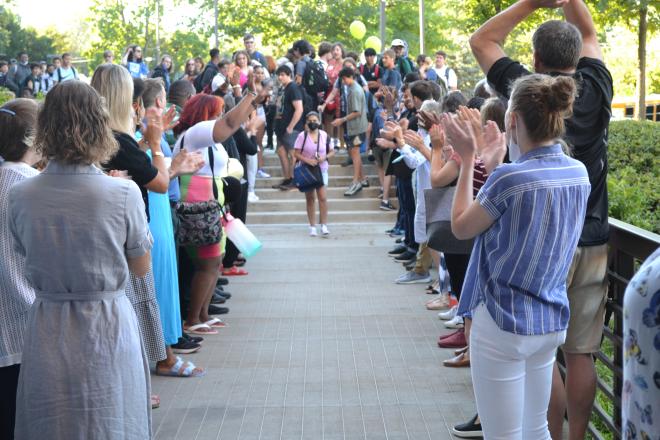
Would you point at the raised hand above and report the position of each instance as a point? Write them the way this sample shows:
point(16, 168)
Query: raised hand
point(168, 118)
point(494, 147)
point(437, 134)
point(385, 143)
point(459, 135)
point(549, 4)
point(154, 130)
point(473, 116)
point(413, 139)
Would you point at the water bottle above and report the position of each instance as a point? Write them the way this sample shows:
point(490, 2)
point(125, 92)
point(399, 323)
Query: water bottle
point(241, 236)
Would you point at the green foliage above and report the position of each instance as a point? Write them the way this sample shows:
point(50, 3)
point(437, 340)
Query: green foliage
point(6, 95)
point(634, 175)
point(14, 38)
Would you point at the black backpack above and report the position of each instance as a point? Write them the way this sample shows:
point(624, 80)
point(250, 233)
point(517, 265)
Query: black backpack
point(315, 79)
point(199, 86)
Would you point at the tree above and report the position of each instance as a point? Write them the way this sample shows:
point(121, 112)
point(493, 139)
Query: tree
point(642, 16)
point(14, 38)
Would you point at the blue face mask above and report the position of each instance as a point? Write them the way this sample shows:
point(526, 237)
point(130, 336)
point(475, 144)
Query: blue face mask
point(514, 148)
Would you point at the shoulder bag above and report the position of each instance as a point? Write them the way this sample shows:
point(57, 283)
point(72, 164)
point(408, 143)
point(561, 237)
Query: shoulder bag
point(200, 222)
point(438, 222)
point(308, 177)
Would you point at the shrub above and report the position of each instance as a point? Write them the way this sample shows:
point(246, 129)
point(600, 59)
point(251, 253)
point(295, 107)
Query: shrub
point(634, 174)
point(5, 95)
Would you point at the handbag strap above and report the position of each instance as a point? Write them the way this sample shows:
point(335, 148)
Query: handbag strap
point(318, 143)
point(211, 164)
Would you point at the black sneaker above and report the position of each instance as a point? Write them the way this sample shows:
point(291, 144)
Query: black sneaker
point(222, 281)
point(397, 250)
point(288, 185)
point(471, 429)
point(386, 206)
point(215, 310)
point(183, 346)
point(279, 185)
point(399, 240)
point(195, 339)
point(218, 299)
point(406, 257)
point(225, 295)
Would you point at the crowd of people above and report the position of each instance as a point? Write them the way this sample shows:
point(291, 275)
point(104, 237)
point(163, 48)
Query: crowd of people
point(501, 189)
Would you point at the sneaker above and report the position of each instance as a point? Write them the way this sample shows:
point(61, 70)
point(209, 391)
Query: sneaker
point(347, 163)
point(413, 278)
point(183, 346)
point(453, 340)
point(282, 183)
point(353, 189)
point(448, 315)
point(289, 186)
point(261, 173)
point(455, 322)
point(312, 231)
point(195, 339)
point(406, 257)
point(470, 429)
point(324, 231)
point(365, 183)
point(397, 232)
point(442, 302)
point(252, 197)
point(397, 251)
point(386, 206)
point(218, 299)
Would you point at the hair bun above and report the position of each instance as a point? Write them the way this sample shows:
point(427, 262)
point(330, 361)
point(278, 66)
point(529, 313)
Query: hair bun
point(562, 94)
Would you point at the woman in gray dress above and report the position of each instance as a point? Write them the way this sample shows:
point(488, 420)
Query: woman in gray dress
point(84, 374)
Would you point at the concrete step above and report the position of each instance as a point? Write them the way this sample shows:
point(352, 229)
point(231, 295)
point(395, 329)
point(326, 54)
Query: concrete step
point(334, 217)
point(333, 193)
point(334, 170)
point(334, 181)
point(298, 204)
point(271, 159)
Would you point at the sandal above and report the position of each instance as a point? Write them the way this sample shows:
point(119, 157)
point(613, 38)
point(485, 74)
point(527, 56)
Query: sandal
point(181, 368)
point(200, 329)
point(155, 401)
point(233, 271)
point(216, 323)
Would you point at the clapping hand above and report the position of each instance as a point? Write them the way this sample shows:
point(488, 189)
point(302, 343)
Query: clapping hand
point(385, 144)
point(494, 148)
point(473, 116)
point(154, 130)
point(413, 139)
point(186, 163)
point(437, 135)
point(168, 118)
point(460, 136)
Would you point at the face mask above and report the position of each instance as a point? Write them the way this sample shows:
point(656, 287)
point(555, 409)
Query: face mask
point(514, 148)
point(313, 125)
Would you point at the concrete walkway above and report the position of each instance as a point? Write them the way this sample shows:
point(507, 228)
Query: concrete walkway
point(321, 344)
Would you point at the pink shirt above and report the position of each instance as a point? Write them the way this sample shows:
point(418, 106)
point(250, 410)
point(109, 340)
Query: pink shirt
point(309, 149)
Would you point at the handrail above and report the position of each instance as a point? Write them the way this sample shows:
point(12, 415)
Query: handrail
point(628, 247)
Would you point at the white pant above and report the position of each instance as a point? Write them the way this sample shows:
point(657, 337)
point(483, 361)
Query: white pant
point(252, 166)
point(512, 377)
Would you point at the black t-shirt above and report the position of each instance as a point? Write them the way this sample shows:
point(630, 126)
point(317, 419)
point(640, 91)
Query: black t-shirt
point(372, 73)
point(586, 132)
point(135, 161)
point(285, 109)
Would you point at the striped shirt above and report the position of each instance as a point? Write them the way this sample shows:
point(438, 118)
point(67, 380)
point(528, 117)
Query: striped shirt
point(520, 264)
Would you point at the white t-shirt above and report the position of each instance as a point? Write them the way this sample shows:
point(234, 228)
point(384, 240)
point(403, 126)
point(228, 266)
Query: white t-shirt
point(442, 73)
point(199, 137)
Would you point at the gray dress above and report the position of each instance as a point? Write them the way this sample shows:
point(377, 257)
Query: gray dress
point(84, 373)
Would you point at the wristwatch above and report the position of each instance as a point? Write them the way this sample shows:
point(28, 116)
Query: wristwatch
point(157, 153)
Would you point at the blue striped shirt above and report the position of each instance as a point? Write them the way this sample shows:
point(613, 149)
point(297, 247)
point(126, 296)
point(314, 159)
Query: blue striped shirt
point(520, 264)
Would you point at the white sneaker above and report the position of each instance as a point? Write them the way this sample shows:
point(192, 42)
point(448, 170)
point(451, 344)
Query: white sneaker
point(456, 322)
point(448, 315)
point(324, 231)
point(252, 197)
point(312, 231)
point(261, 173)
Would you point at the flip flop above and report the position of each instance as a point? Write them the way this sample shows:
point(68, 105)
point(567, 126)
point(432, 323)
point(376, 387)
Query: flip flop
point(234, 271)
point(200, 329)
point(216, 323)
point(181, 368)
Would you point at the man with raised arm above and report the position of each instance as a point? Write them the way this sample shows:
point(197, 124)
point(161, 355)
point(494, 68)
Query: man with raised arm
point(568, 48)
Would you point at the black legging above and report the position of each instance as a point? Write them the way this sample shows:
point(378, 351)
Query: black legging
point(8, 387)
point(457, 265)
point(238, 210)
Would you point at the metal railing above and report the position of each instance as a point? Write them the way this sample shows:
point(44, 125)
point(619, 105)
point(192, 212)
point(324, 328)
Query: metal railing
point(628, 247)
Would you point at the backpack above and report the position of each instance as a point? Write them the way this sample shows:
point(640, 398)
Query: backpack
point(59, 73)
point(199, 87)
point(315, 79)
point(376, 70)
point(372, 105)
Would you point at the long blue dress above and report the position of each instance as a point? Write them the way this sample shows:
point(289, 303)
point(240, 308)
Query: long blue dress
point(163, 256)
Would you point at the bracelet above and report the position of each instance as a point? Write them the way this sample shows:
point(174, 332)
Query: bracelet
point(252, 92)
point(236, 86)
point(157, 154)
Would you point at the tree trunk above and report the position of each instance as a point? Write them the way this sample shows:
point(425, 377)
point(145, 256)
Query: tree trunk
point(641, 55)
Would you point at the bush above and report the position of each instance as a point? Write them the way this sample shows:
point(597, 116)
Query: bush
point(5, 95)
point(634, 174)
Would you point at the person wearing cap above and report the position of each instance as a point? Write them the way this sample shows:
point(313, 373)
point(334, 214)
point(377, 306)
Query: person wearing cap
point(403, 63)
point(312, 147)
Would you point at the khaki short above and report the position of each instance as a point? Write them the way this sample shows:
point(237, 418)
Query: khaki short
point(382, 156)
point(587, 296)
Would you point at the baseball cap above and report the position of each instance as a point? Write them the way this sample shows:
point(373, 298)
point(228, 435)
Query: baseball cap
point(218, 81)
point(397, 42)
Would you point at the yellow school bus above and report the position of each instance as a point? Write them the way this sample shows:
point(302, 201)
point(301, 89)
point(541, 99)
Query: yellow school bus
point(624, 107)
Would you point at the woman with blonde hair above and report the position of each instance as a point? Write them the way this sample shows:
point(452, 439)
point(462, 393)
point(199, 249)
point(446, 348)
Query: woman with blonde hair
point(81, 233)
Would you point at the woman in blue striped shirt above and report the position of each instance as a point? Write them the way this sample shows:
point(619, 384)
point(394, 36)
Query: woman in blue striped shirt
point(527, 220)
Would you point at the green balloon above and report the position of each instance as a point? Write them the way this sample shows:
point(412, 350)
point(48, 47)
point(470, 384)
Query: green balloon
point(357, 29)
point(374, 43)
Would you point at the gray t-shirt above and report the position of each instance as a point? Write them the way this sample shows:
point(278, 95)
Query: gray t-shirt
point(356, 102)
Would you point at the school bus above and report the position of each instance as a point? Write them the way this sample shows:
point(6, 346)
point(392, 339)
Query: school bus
point(624, 107)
